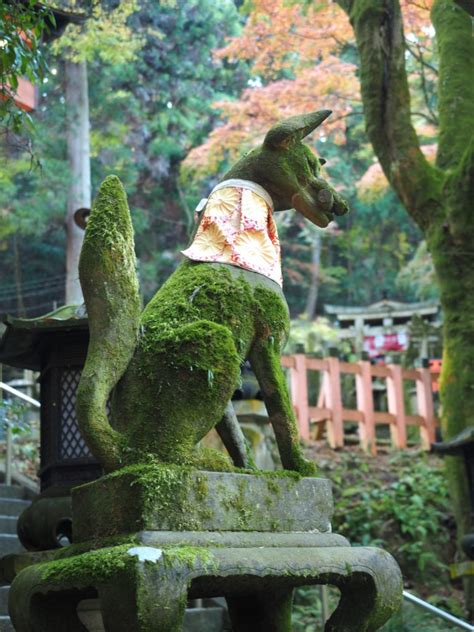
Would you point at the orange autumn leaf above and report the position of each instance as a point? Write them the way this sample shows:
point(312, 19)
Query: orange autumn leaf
point(248, 120)
point(305, 44)
point(280, 35)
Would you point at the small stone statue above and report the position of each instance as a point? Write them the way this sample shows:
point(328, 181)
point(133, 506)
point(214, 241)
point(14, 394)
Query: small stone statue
point(174, 367)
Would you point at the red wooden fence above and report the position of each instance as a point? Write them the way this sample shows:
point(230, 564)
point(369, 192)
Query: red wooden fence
point(330, 411)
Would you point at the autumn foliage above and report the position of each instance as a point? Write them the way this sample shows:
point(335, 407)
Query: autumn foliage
point(301, 57)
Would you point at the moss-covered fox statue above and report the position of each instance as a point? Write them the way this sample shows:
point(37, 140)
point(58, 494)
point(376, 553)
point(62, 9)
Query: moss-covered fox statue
point(173, 367)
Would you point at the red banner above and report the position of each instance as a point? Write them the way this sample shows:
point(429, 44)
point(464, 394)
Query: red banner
point(383, 343)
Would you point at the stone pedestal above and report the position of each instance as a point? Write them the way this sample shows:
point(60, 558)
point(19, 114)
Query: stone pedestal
point(147, 539)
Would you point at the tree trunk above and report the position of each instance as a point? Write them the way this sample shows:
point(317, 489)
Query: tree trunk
point(77, 103)
point(312, 299)
point(454, 266)
point(438, 198)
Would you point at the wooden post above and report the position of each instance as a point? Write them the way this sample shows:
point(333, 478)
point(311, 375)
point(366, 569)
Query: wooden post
point(365, 403)
point(396, 406)
point(424, 396)
point(335, 427)
point(299, 394)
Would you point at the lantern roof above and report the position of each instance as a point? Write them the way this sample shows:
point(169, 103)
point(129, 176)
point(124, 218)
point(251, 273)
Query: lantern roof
point(62, 17)
point(20, 343)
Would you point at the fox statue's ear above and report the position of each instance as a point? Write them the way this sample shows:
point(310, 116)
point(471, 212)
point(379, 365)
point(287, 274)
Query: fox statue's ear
point(295, 128)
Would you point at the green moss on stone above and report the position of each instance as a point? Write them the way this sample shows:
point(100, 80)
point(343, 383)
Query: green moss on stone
point(190, 557)
point(265, 359)
point(195, 334)
point(273, 487)
point(201, 488)
point(110, 287)
point(211, 460)
point(89, 567)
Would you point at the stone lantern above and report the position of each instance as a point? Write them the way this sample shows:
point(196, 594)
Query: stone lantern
point(55, 345)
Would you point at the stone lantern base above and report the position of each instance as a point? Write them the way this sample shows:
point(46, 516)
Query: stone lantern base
point(149, 538)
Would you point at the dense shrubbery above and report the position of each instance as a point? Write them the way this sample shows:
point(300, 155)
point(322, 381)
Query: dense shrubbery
point(307, 615)
point(400, 502)
point(404, 509)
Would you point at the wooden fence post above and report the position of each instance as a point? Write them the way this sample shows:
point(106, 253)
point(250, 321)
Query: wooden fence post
point(424, 397)
point(365, 403)
point(299, 394)
point(396, 406)
point(333, 398)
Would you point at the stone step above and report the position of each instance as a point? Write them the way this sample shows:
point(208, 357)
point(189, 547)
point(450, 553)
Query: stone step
point(6, 625)
point(195, 619)
point(4, 600)
point(12, 491)
point(8, 524)
point(9, 543)
point(204, 620)
point(13, 506)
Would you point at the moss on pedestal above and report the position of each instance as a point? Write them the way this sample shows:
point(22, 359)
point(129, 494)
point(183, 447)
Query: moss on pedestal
point(166, 497)
point(91, 566)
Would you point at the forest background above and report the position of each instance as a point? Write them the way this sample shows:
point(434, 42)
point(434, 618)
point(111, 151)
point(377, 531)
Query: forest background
point(204, 82)
point(192, 84)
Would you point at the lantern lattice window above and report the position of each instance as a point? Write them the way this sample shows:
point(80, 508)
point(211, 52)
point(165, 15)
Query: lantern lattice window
point(72, 444)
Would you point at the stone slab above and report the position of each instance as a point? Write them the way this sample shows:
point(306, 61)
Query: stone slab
point(170, 498)
point(4, 600)
point(6, 625)
point(8, 524)
point(13, 506)
point(12, 491)
point(204, 620)
point(248, 539)
point(9, 543)
point(11, 565)
point(195, 619)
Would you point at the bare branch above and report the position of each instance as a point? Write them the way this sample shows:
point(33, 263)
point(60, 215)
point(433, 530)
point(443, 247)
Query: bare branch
point(427, 117)
point(419, 57)
point(424, 84)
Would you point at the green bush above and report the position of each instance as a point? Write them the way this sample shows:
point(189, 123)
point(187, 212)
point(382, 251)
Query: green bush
point(307, 616)
point(403, 508)
point(400, 502)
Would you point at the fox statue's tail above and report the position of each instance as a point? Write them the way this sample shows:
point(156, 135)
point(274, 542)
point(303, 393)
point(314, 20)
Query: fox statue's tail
point(110, 287)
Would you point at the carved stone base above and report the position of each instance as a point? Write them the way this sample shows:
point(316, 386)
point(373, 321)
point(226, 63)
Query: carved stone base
point(145, 588)
point(143, 579)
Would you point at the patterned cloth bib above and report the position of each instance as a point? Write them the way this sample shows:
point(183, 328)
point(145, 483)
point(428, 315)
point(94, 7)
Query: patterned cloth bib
point(237, 227)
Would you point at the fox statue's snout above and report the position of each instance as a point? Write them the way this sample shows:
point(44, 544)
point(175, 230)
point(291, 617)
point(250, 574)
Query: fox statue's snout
point(173, 367)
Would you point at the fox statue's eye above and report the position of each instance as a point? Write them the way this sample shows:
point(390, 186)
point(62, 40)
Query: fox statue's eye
point(322, 161)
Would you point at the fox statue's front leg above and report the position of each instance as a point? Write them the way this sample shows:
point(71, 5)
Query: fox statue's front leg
point(271, 325)
point(266, 364)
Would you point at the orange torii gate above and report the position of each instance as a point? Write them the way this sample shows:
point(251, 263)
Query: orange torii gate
point(330, 410)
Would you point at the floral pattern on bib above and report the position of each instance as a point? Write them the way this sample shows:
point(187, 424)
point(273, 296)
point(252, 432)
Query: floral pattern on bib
point(237, 227)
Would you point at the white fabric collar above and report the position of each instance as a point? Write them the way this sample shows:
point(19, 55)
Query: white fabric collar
point(242, 184)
